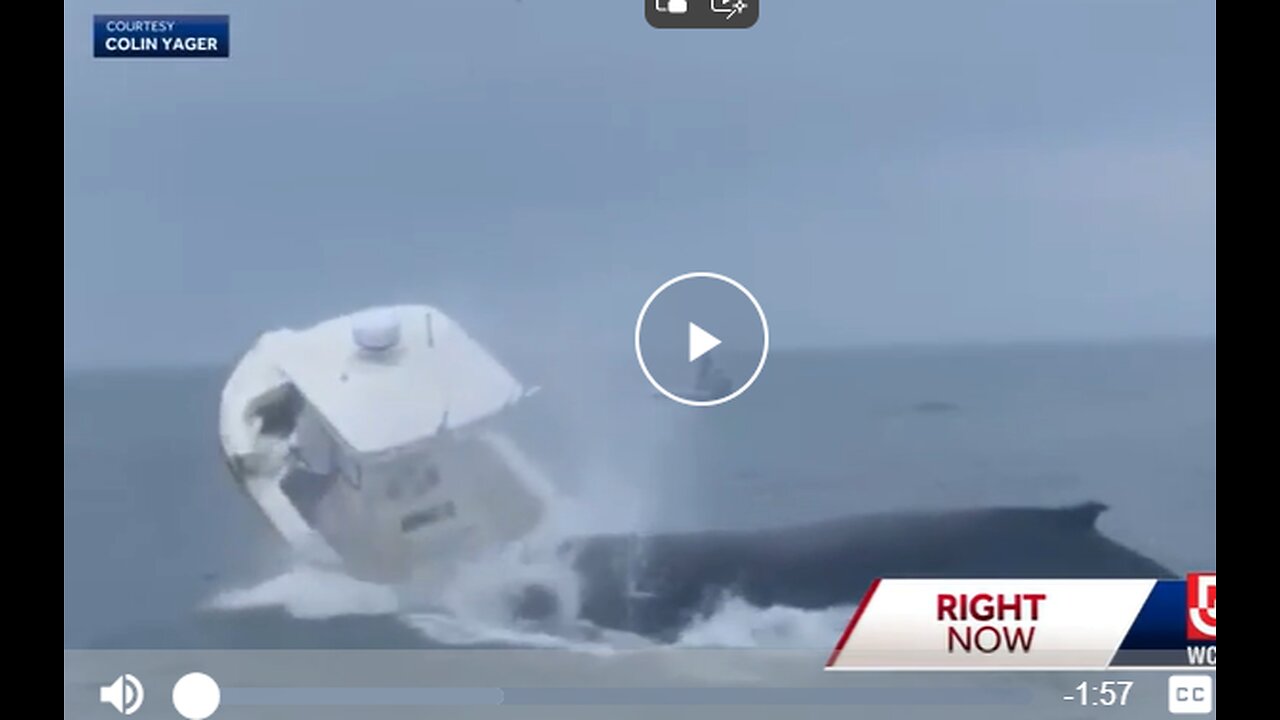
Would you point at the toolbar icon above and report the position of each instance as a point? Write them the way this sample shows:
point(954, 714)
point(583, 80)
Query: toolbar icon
point(196, 696)
point(728, 7)
point(705, 14)
point(125, 694)
point(1190, 694)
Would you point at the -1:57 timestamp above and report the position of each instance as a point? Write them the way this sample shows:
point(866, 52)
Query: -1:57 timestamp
point(1104, 694)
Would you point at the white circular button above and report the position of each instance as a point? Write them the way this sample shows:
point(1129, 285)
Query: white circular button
point(700, 315)
point(196, 696)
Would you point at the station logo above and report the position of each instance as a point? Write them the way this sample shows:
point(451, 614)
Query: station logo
point(1202, 606)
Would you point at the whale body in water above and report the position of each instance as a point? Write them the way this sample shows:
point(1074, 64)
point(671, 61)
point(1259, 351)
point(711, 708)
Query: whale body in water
point(656, 585)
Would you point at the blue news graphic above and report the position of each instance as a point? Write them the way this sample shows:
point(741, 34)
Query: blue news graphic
point(161, 36)
point(1164, 635)
point(1162, 622)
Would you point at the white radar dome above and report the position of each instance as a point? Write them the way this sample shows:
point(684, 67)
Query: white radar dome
point(376, 330)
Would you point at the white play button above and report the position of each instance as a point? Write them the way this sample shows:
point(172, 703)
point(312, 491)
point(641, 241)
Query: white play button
point(700, 342)
point(676, 355)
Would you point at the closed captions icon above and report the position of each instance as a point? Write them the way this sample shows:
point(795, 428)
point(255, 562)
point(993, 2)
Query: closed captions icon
point(1190, 694)
point(125, 694)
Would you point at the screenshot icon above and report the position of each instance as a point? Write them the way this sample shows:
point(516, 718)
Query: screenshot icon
point(416, 362)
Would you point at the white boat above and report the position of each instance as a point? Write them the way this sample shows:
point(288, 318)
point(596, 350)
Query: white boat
point(369, 441)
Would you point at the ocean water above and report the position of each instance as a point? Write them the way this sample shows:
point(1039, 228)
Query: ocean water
point(161, 550)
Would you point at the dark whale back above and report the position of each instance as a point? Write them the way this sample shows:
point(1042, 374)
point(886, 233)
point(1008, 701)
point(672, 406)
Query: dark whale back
point(655, 585)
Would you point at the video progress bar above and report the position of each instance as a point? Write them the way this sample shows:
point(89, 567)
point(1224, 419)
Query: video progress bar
point(681, 696)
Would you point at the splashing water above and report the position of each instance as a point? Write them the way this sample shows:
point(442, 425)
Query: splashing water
point(738, 624)
point(311, 593)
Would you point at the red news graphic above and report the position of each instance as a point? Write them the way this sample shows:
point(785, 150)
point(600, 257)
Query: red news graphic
point(1024, 624)
point(989, 623)
point(1202, 606)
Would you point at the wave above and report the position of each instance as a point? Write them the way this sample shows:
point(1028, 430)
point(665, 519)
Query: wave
point(738, 624)
point(477, 614)
point(311, 593)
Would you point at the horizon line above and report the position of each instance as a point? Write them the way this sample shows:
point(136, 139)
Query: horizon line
point(871, 346)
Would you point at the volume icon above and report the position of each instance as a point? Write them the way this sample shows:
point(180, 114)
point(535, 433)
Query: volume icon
point(125, 694)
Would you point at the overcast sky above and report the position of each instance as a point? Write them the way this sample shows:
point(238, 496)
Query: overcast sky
point(875, 171)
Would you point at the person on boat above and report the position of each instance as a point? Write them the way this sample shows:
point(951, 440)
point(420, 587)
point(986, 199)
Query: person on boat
point(711, 380)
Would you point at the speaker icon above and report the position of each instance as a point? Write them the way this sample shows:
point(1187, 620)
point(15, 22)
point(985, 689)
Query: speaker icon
point(125, 694)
